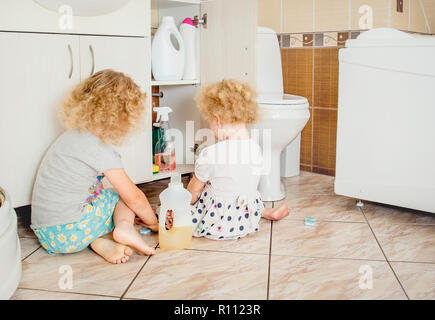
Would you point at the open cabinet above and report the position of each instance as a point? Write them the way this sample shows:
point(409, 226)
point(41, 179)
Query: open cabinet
point(40, 64)
point(226, 45)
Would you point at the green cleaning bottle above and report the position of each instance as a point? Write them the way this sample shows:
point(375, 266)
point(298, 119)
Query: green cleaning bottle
point(164, 152)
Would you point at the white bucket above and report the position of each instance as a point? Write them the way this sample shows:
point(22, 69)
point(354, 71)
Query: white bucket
point(10, 263)
point(167, 52)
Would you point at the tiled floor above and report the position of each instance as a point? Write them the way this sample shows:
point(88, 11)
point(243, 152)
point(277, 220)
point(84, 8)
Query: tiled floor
point(377, 252)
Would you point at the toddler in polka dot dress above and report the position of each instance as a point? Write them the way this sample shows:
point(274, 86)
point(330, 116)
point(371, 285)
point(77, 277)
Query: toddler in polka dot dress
point(225, 201)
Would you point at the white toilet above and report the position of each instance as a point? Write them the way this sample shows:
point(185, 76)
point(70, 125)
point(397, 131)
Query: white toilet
point(284, 114)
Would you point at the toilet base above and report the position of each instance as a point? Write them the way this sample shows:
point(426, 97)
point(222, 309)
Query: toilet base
point(270, 193)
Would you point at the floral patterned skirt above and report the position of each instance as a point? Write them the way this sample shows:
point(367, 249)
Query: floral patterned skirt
point(73, 237)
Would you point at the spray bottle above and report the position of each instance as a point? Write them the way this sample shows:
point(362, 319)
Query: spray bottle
point(165, 145)
point(175, 218)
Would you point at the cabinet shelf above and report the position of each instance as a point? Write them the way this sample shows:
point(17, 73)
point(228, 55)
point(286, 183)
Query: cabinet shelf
point(181, 168)
point(175, 83)
point(164, 4)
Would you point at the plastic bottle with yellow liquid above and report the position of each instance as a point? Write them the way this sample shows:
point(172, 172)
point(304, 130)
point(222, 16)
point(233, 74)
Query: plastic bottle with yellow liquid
point(175, 218)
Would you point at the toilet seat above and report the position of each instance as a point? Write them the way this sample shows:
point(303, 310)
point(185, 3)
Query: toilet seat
point(282, 102)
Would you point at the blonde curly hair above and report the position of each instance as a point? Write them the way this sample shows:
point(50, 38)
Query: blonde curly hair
point(234, 102)
point(108, 104)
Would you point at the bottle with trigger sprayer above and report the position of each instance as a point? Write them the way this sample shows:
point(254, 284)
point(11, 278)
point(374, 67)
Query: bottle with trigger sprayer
point(165, 146)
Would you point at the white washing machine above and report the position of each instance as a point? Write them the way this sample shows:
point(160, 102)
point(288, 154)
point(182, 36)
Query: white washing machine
point(10, 249)
point(386, 119)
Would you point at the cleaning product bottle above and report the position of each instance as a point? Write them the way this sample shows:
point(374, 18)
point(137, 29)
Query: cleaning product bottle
point(189, 34)
point(165, 146)
point(175, 218)
point(167, 51)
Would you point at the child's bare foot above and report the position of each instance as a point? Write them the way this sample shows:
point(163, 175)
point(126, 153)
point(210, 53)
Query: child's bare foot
point(111, 251)
point(276, 214)
point(125, 233)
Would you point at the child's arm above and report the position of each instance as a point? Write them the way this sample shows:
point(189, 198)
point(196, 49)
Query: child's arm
point(132, 196)
point(195, 187)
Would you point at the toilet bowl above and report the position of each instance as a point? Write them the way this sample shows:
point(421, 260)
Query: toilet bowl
point(282, 118)
point(10, 266)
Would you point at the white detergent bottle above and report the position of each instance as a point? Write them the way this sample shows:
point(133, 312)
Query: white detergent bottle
point(167, 52)
point(175, 218)
point(189, 34)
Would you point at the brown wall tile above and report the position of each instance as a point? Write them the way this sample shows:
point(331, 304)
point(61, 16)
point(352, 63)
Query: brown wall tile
point(307, 142)
point(324, 138)
point(298, 72)
point(325, 77)
point(305, 168)
point(313, 73)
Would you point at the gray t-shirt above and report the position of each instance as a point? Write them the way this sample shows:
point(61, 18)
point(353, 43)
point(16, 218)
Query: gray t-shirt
point(65, 178)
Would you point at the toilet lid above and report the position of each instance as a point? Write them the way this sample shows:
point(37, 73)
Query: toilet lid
point(279, 101)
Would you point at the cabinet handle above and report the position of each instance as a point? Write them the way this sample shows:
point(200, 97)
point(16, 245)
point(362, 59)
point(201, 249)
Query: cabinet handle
point(93, 59)
point(71, 62)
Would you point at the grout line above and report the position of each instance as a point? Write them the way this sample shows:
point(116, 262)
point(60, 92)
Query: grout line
point(409, 16)
point(415, 262)
point(225, 251)
point(30, 253)
point(428, 28)
point(389, 14)
point(137, 274)
point(321, 220)
point(313, 103)
point(69, 292)
point(270, 257)
point(382, 250)
point(327, 258)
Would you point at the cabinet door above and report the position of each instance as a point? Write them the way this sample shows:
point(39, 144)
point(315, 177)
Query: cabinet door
point(132, 57)
point(36, 72)
point(228, 44)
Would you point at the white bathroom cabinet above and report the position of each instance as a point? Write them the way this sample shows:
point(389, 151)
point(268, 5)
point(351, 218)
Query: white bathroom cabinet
point(37, 72)
point(129, 55)
point(39, 66)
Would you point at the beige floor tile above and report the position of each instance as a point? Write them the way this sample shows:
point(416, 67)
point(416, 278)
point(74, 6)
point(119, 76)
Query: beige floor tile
point(193, 275)
point(384, 214)
point(326, 239)
point(254, 243)
point(24, 230)
point(310, 278)
point(306, 177)
point(326, 208)
point(308, 184)
point(268, 204)
point(418, 279)
point(90, 273)
point(28, 294)
point(28, 245)
point(407, 242)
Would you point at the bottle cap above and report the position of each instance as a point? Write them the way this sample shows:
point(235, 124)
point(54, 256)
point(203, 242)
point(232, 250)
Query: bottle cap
point(188, 21)
point(175, 180)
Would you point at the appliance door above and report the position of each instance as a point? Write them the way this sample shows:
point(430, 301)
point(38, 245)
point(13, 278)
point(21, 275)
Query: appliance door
point(385, 134)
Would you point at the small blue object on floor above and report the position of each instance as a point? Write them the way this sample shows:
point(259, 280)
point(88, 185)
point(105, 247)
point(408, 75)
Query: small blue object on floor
point(310, 221)
point(145, 231)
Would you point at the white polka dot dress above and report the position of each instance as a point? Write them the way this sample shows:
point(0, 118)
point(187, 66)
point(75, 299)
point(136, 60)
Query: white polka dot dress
point(230, 206)
point(221, 218)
